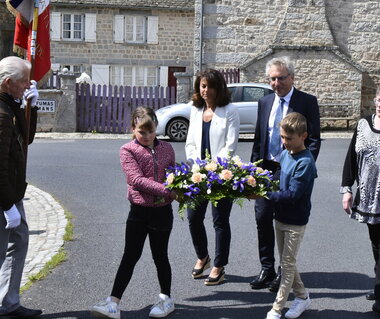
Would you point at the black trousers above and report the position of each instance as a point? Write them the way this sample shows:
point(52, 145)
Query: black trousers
point(264, 214)
point(155, 222)
point(221, 221)
point(374, 235)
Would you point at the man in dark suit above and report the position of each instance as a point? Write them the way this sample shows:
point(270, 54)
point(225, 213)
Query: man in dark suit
point(267, 146)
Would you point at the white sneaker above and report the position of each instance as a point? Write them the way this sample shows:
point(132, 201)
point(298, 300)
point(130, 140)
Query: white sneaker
point(107, 308)
point(273, 315)
point(298, 307)
point(163, 307)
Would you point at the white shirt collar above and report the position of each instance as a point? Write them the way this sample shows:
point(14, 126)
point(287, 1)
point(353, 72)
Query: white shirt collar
point(286, 97)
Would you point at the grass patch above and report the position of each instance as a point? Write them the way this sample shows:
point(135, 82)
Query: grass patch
point(69, 230)
point(57, 259)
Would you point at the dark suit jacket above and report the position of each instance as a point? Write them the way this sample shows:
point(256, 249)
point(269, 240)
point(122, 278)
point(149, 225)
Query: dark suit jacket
point(300, 102)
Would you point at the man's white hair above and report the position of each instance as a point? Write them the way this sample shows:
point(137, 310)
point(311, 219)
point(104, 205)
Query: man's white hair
point(12, 67)
point(283, 62)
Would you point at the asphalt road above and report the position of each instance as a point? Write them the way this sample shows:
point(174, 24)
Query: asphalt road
point(335, 259)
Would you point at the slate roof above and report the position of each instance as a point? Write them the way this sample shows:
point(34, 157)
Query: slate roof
point(187, 5)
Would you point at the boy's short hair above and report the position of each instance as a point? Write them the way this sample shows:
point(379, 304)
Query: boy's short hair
point(294, 123)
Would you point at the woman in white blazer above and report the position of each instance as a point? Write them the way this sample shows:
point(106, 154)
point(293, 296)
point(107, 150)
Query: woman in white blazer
point(214, 129)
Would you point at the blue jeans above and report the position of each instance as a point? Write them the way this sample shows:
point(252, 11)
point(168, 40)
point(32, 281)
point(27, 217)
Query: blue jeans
point(13, 249)
point(221, 221)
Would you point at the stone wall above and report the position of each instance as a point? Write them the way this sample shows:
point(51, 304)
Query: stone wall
point(175, 47)
point(6, 31)
point(335, 45)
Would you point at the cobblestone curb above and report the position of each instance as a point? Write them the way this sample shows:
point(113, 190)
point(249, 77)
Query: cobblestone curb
point(47, 221)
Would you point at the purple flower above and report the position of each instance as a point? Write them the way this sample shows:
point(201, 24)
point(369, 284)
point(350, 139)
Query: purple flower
point(222, 162)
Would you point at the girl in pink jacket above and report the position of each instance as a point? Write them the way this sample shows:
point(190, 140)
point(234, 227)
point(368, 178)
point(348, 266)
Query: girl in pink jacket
point(144, 161)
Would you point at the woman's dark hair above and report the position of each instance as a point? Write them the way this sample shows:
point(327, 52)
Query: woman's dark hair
point(216, 81)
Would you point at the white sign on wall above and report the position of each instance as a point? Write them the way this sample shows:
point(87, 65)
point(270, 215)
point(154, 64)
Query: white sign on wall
point(46, 106)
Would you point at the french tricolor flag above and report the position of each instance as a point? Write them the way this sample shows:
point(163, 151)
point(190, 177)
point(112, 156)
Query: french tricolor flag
point(23, 10)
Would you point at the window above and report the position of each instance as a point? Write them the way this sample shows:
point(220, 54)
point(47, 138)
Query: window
point(72, 27)
point(252, 94)
point(136, 29)
point(75, 69)
point(134, 75)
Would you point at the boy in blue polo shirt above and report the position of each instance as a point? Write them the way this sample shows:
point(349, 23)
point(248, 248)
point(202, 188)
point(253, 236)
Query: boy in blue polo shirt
point(298, 172)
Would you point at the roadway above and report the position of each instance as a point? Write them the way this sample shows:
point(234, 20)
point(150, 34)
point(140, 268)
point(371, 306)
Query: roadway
point(335, 259)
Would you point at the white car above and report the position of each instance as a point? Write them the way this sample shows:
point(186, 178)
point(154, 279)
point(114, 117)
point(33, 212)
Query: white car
point(173, 120)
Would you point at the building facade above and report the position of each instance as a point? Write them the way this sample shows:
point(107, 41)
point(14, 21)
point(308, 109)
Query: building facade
point(335, 45)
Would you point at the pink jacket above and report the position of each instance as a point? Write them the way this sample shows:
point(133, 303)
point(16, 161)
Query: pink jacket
point(144, 169)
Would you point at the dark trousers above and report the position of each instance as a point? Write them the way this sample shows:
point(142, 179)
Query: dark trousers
point(221, 221)
point(264, 213)
point(143, 221)
point(374, 235)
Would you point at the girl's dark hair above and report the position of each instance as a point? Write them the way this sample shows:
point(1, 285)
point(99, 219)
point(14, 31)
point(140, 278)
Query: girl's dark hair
point(216, 81)
point(144, 117)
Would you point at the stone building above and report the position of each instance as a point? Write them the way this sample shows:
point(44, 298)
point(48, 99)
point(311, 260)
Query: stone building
point(120, 42)
point(335, 45)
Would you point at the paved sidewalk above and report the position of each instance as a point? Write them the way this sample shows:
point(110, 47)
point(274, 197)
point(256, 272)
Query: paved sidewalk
point(47, 222)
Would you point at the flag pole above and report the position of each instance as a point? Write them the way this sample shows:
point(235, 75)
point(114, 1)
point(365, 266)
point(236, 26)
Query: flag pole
point(33, 46)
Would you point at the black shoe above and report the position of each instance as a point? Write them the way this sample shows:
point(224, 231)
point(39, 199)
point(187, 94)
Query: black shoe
point(275, 284)
point(22, 312)
point(198, 272)
point(376, 306)
point(263, 279)
point(370, 295)
point(211, 281)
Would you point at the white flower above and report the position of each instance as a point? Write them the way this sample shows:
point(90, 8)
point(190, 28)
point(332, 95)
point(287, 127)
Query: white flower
point(209, 191)
point(195, 168)
point(236, 158)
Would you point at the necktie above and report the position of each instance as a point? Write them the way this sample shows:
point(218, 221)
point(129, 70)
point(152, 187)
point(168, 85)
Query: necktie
point(275, 146)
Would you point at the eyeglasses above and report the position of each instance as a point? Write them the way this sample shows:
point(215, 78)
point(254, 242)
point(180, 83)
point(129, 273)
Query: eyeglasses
point(377, 101)
point(279, 78)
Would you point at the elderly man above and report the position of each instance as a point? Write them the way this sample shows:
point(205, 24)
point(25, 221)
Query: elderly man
point(267, 146)
point(14, 233)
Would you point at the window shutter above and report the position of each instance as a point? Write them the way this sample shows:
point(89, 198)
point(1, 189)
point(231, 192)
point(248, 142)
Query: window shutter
point(164, 72)
point(55, 26)
point(118, 29)
point(100, 74)
point(90, 27)
point(55, 66)
point(152, 36)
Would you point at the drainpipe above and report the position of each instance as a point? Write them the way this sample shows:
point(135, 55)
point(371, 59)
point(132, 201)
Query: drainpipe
point(201, 36)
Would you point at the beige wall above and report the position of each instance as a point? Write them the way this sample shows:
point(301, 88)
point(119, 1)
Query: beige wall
point(241, 34)
point(175, 47)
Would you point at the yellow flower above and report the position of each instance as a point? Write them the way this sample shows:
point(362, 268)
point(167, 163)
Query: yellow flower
point(226, 174)
point(197, 177)
point(237, 161)
point(212, 166)
point(259, 170)
point(170, 178)
point(251, 181)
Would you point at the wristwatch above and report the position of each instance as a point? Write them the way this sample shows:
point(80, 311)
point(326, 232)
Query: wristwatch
point(345, 189)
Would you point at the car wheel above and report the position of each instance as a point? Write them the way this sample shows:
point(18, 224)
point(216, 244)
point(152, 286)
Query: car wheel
point(177, 130)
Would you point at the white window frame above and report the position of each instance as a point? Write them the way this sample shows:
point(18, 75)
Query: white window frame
point(138, 26)
point(72, 67)
point(124, 22)
point(138, 75)
point(72, 27)
point(88, 27)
